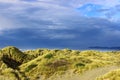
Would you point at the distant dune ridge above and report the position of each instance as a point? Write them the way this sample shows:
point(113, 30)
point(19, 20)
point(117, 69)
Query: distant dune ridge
point(101, 47)
point(55, 64)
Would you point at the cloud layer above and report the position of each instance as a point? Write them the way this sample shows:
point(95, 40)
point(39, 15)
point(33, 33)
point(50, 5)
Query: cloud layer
point(59, 23)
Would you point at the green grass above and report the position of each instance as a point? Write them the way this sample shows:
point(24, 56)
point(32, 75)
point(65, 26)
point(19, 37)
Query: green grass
point(49, 64)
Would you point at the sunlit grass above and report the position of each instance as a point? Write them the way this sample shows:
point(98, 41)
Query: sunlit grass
point(63, 64)
point(112, 75)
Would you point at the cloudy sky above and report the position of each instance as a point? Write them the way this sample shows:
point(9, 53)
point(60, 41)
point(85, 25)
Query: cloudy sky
point(73, 24)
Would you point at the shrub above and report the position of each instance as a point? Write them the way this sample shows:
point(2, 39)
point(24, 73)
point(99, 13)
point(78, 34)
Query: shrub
point(48, 56)
point(79, 65)
point(30, 67)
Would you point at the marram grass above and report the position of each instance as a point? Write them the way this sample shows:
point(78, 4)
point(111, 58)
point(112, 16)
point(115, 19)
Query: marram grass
point(112, 75)
point(46, 64)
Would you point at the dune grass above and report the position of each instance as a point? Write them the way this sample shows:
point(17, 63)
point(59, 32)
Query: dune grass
point(88, 75)
point(112, 75)
point(43, 64)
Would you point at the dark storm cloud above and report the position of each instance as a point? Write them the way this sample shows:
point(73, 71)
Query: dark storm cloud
point(92, 31)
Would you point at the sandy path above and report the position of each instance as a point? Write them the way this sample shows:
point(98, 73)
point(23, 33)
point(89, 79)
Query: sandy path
point(88, 75)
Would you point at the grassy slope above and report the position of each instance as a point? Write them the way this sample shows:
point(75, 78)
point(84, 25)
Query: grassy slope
point(112, 75)
point(45, 64)
point(88, 75)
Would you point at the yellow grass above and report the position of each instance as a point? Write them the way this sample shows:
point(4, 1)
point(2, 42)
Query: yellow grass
point(46, 64)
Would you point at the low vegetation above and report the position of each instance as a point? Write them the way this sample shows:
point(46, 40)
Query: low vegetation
point(46, 64)
point(112, 75)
